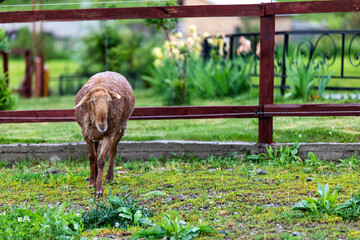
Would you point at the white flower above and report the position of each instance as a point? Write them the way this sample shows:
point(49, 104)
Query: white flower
point(3, 213)
point(26, 218)
point(300, 135)
point(117, 224)
point(77, 214)
point(20, 219)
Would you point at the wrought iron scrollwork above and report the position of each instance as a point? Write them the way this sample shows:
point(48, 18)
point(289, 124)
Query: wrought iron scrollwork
point(354, 59)
point(326, 58)
point(308, 50)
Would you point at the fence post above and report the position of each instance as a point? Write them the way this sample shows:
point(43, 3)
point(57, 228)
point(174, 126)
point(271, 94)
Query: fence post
point(266, 84)
point(283, 70)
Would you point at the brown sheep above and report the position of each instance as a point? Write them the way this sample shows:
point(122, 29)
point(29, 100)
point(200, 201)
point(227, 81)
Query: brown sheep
point(103, 107)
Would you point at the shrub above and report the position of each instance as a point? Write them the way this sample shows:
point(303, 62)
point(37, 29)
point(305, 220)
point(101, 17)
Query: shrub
point(7, 100)
point(52, 47)
point(115, 47)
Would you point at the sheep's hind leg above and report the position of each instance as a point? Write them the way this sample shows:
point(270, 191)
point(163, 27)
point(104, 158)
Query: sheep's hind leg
point(105, 146)
point(92, 147)
point(112, 153)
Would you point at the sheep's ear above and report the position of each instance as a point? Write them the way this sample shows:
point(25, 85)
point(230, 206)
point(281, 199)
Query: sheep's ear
point(84, 99)
point(114, 95)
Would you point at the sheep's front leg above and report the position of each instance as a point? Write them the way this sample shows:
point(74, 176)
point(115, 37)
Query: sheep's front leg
point(92, 147)
point(105, 146)
point(112, 154)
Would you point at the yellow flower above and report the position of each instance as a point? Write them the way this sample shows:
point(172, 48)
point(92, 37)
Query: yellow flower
point(179, 35)
point(205, 35)
point(192, 28)
point(190, 41)
point(158, 63)
point(157, 52)
point(167, 44)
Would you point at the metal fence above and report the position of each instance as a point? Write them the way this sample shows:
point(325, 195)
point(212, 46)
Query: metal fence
point(334, 49)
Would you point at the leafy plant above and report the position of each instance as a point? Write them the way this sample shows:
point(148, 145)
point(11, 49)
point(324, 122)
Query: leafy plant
point(171, 228)
point(312, 160)
point(119, 212)
point(325, 204)
point(3, 41)
point(281, 156)
point(7, 100)
point(301, 77)
point(349, 209)
point(323, 79)
point(55, 223)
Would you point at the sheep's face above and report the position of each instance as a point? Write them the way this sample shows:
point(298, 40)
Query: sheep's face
point(99, 108)
point(99, 100)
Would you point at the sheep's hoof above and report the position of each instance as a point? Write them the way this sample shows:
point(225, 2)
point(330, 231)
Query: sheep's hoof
point(92, 183)
point(98, 194)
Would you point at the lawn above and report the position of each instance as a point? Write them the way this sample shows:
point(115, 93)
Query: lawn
point(240, 198)
point(290, 129)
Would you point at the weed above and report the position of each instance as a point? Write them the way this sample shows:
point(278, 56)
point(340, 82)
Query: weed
point(120, 212)
point(172, 227)
point(325, 204)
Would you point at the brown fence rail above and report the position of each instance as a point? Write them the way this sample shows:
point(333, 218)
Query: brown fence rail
point(265, 111)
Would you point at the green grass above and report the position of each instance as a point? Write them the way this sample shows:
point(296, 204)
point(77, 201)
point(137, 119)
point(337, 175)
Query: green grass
point(291, 129)
point(231, 197)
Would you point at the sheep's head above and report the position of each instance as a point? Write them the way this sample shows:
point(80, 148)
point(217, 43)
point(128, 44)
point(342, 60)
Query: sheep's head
point(99, 100)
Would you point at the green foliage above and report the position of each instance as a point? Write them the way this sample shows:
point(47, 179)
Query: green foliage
point(3, 41)
point(325, 204)
point(165, 24)
point(301, 77)
point(51, 50)
point(115, 47)
point(323, 79)
point(277, 156)
point(50, 223)
point(120, 212)
point(213, 78)
point(7, 100)
point(205, 79)
point(171, 228)
point(349, 210)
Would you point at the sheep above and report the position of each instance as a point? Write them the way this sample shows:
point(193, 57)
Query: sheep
point(102, 108)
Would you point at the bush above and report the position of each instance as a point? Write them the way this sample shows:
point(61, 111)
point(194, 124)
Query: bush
point(7, 100)
point(117, 48)
point(24, 41)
